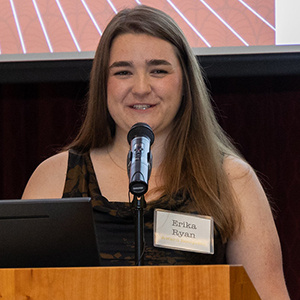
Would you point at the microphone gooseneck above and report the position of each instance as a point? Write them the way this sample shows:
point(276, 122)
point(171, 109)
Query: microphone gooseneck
point(139, 161)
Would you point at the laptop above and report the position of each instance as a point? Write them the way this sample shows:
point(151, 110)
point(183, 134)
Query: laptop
point(47, 233)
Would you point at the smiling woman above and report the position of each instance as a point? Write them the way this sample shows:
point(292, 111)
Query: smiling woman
point(145, 71)
point(144, 83)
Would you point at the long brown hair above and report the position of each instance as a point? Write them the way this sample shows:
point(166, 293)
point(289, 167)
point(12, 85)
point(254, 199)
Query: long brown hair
point(194, 167)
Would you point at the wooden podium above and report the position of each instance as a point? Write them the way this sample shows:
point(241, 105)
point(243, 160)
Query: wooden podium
point(219, 282)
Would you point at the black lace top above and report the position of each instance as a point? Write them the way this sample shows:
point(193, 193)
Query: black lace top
point(115, 222)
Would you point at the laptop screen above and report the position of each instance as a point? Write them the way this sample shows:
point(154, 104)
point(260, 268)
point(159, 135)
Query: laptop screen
point(47, 233)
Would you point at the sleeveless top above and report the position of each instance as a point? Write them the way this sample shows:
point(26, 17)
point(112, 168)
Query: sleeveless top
point(114, 222)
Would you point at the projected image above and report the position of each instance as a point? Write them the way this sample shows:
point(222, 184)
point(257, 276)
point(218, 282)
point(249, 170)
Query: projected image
point(75, 26)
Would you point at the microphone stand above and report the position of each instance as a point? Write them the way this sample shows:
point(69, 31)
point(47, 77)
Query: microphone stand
point(139, 204)
point(139, 163)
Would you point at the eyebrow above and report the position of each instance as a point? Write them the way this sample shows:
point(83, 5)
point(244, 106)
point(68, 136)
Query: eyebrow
point(152, 62)
point(117, 64)
point(158, 62)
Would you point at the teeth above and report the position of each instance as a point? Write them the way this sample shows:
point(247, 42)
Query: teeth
point(141, 106)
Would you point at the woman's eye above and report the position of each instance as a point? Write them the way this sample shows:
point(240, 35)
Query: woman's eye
point(122, 73)
point(159, 71)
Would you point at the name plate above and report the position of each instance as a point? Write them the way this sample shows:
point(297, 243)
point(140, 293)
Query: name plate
point(183, 231)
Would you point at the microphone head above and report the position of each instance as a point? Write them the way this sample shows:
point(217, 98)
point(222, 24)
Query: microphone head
point(140, 129)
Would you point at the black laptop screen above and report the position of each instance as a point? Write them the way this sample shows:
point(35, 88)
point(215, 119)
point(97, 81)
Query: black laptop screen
point(47, 233)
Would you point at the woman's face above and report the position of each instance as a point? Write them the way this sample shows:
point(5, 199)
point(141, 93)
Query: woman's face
point(144, 82)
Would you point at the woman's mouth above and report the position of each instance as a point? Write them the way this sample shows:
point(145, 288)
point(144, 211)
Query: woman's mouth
point(141, 106)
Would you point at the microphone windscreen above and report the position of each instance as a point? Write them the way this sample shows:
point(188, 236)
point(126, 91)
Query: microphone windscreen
point(140, 129)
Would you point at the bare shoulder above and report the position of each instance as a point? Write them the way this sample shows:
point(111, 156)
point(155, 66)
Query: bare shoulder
point(247, 188)
point(236, 168)
point(244, 181)
point(48, 179)
point(54, 162)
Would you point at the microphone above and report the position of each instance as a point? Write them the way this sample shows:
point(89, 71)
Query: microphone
point(139, 160)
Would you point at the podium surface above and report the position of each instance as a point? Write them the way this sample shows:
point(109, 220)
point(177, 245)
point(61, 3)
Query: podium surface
point(218, 282)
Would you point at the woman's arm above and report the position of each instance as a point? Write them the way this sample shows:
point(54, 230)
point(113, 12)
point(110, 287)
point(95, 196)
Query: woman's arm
point(48, 180)
point(256, 245)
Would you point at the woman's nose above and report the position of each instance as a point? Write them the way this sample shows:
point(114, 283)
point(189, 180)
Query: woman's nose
point(141, 85)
